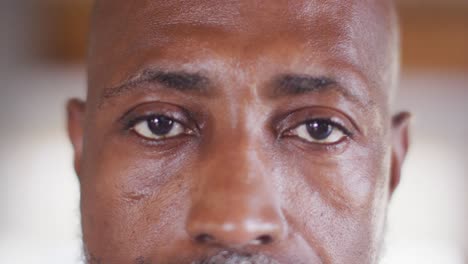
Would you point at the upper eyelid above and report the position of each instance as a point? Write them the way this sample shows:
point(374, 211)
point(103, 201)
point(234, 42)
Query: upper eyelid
point(341, 127)
point(148, 109)
point(133, 117)
point(299, 116)
point(132, 123)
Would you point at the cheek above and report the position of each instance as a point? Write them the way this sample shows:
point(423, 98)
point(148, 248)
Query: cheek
point(128, 201)
point(337, 203)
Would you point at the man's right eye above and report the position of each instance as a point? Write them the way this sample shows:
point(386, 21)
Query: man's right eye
point(159, 127)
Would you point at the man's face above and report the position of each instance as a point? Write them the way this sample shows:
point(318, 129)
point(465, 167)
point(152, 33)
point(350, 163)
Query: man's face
point(230, 131)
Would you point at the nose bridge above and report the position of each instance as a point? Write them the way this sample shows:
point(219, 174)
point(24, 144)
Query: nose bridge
point(238, 163)
point(233, 203)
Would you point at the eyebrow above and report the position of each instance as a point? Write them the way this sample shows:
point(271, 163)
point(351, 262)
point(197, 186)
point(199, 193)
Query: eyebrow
point(294, 84)
point(177, 80)
point(283, 85)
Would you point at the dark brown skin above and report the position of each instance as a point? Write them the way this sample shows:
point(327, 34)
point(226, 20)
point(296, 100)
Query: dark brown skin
point(229, 89)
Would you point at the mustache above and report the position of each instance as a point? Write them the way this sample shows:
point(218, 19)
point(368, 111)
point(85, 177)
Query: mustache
point(226, 257)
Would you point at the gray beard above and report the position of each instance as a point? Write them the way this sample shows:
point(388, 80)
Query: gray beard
point(223, 257)
point(226, 257)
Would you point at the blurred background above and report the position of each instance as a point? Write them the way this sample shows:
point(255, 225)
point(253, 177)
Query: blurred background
point(42, 51)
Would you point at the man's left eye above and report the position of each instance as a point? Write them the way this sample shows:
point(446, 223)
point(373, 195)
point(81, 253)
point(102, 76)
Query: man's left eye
point(319, 131)
point(159, 127)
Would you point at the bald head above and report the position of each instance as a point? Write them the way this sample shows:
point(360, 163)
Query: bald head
point(238, 131)
point(360, 34)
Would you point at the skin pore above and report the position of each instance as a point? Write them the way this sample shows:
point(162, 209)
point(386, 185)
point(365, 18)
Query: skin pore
point(238, 131)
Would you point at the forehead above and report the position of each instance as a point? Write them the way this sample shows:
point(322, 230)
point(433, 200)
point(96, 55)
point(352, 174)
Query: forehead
point(354, 34)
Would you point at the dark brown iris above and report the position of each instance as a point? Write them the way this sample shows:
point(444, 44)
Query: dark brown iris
point(160, 125)
point(319, 129)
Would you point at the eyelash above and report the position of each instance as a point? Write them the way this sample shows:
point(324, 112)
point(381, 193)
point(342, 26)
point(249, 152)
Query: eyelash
point(130, 124)
point(134, 121)
point(289, 132)
point(335, 124)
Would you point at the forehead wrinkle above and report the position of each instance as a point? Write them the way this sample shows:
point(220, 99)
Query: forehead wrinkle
point(130, 26)
point(353, 21)
point(327, 19)
point(172, 12)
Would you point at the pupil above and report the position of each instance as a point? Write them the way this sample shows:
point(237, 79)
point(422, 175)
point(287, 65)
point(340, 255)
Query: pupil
point(160, 125)
point(319, 129)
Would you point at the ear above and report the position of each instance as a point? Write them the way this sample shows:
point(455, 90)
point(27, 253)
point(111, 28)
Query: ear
point(400, 143)
point(76, 110)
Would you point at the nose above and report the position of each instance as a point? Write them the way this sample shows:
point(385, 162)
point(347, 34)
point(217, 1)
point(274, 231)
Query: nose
point(235, 204)
point(234, 225)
